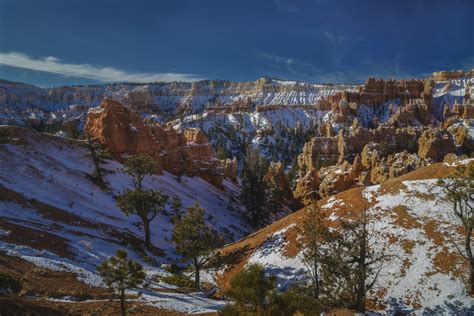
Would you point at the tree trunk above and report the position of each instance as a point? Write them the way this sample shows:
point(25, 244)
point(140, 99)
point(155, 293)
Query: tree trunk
point(197, 277)
point(471, 278)
point(362, 273)
point(316, 281)
point(360, 297)
point(123, 311)
point(471, 260)
point(146, 227)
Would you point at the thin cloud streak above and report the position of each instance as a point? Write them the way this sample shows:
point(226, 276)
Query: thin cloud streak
point(104, 74)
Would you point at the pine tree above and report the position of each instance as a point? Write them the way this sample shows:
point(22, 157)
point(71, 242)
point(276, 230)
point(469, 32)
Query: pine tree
point(194, 240)
point(459, 188)
point(176, 208)
point(98, 174)
point(146, 204)
point(120, 274)
point(254, 187)
point(138, 167)
point(275, 196)
point(314, 234)
point(251, 290)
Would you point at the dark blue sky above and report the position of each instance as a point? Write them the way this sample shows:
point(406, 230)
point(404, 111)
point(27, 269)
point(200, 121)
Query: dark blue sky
point(54, 42)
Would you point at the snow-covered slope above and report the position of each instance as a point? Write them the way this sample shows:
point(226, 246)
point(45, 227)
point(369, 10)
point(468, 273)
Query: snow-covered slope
point(53, 215)
point(426, 275)
point(262, 129)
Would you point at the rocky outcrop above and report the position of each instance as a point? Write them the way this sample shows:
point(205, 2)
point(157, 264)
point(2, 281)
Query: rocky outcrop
point(123, 133)
point(449, 75)
point(378, 91)
point(276, 173)
point(367, 169)
point(362, 156)
point(415, 113)
point(462, 138)
point(230, 169)
point(435, 144)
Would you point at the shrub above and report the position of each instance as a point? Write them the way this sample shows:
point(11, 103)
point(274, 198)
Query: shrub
point(9, 284)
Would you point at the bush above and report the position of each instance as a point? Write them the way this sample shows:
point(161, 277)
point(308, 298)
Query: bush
point(4, 136)
point(178, 280)
point(9, 284)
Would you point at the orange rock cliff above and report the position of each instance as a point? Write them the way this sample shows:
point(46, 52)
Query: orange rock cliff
point(186, 152)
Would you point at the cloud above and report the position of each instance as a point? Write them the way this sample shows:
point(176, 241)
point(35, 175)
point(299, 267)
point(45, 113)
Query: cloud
point(333, 37)
point(104, 74)
point(293, 68)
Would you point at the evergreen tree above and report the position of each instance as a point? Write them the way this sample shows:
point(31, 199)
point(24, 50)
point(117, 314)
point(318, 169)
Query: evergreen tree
point(459, 188)
point(146, 204)
point(138, 167)
point(275, 196)
point(220, 150)
point(293, 173)
point(72, 130)
point(120, 274)
point(251, 288)
point(254, 187)
point(254, 293)
point(314, 234)
point(98, 174)
point(176, 208)
point(194, 240)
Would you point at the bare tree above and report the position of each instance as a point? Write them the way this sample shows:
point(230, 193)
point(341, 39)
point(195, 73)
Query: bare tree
point(366, 257)
point(314, 235)
point(459, 188)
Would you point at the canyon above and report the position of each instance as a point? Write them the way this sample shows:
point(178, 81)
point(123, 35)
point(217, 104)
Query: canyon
point(378, 147)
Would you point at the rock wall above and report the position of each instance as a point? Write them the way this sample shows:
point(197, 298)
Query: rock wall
point(378, 91)
point(186, 152)
point(449, 75)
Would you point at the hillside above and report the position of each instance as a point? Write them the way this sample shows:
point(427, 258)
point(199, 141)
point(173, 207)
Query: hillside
point(54, 216)
point(412, 220)
point(378, 147)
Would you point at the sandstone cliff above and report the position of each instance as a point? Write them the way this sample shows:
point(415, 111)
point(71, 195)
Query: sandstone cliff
point(189, 152)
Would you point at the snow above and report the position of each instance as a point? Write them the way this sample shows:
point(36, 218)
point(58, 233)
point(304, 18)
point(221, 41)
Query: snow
point(424, 201)
point(55, 171)
point(412, 275)
point(455, 93)
point(270, 255)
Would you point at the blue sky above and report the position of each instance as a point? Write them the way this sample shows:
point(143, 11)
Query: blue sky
point(58, 42)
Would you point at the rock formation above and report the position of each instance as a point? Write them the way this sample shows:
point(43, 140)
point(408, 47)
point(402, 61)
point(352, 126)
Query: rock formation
point(435, 144)
point(362, 156)
point(449, 75)
point(123, 133)
point(378, 91)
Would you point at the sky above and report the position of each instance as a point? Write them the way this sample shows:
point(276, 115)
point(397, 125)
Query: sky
point(64, 42)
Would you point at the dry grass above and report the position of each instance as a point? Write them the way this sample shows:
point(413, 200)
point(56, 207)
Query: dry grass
point(403, 219)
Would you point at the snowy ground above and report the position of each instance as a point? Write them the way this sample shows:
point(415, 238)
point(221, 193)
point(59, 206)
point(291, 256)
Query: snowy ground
point(416, 226)
point(54, 171)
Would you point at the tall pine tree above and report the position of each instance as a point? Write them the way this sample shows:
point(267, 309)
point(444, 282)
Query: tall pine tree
point(194, 240)
point(254, 187)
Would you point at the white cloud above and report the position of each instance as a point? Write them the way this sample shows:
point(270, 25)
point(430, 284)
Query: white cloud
point(104, 74)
